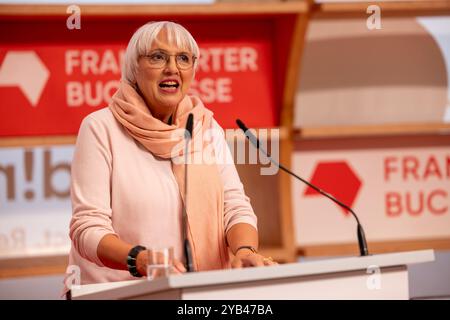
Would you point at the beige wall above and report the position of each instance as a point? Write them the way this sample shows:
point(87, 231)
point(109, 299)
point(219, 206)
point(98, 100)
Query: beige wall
point(355, 76)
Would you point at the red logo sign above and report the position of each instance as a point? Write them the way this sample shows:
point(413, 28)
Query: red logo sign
point(337, 179)
point(49, 89)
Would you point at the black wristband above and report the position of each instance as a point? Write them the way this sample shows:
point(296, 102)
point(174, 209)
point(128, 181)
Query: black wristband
point(131, 260)
point(246, 247)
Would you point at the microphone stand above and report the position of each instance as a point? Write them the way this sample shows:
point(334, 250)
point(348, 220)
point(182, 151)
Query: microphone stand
point(363, 249)
point(187, 244)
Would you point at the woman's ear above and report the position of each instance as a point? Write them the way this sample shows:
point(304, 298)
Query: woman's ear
point(193, 73)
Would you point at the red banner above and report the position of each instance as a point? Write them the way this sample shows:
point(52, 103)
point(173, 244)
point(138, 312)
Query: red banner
point(49, 89)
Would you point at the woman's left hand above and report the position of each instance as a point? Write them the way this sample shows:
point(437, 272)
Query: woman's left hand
point(244, 259)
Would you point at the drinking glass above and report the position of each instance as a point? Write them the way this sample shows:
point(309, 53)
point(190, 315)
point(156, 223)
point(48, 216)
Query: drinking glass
point(160, 262)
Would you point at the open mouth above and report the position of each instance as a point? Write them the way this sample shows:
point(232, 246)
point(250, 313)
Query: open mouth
point(169, 84)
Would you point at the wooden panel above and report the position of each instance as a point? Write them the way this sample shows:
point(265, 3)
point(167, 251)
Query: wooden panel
point(373, 130)
point(286, 212)
point(293, 70)
point(264, 197)
point(271, 205)
point(263, 190)
point(388, 8)
point(372, 142)
point(286, 145)
point(37, 141)
point(374, 247)
point(33, 266)
point(116, 10)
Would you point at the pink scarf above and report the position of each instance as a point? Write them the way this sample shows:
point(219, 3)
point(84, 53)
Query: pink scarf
point(205, 205)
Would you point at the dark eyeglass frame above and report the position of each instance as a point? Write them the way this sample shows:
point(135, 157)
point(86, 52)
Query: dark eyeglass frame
point(167, 55)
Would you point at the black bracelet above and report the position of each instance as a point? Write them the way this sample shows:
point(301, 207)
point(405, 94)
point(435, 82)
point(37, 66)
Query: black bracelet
point(252, 249)
point(131, 260)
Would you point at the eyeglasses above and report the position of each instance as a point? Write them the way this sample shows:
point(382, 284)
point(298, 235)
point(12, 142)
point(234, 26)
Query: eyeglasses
point(159, 59)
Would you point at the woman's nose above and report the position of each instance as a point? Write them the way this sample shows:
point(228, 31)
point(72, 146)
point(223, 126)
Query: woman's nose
point(171, 65)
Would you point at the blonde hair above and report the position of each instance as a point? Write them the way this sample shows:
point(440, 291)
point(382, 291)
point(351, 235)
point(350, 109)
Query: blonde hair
point(142, 40)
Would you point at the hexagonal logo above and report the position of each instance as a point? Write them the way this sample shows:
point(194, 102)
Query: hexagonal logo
point(336, 178)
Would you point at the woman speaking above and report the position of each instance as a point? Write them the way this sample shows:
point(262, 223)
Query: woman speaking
point(127, 189)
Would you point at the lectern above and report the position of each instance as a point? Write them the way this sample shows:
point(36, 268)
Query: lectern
point(381, 276)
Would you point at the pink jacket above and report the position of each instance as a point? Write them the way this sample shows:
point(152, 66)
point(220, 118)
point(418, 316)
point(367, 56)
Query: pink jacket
point(120, 187)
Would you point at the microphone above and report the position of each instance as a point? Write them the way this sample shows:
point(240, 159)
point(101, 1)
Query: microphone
point(363, 249)
point(187, 244)
point(189, 126)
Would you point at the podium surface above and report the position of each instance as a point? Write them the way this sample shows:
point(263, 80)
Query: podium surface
point(381, 276)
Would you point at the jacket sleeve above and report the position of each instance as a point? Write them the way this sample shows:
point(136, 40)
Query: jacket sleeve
point(237, 207)
point(91, 189)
